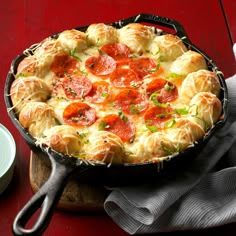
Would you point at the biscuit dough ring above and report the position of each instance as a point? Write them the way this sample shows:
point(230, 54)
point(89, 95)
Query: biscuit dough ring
point(37, 117)
point(29, 89)
point(188, 62)
point(39, 94)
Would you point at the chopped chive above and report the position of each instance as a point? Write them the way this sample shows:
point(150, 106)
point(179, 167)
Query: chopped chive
point(102, 125)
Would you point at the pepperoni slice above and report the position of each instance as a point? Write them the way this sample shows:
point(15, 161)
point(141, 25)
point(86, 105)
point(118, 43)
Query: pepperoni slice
point(76, 87)
point(124, 77)
point(79, 114)
point(101, 65)
point(156, 116)
point(165, 90)
point(168, 93)
point(122, 127)
point(143, 66)
point(156, 72)
point(64, 64)
point(118, 51)
point(99, 92)
point(155, 86)
point(131, 101)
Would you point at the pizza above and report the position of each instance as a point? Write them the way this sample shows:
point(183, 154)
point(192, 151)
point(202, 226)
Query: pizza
point(115, 95)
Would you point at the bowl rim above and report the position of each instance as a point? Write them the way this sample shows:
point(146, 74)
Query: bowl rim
point(11, 145)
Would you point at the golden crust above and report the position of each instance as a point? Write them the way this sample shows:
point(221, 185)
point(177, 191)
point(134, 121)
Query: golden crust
point(200, 81)
point(44, 55)
point(184, 133)
point(188, 62)
point(157, 145)
point(106, 147)
point(27, 67)
point(63, 138)
point(24, 90)
point(152, 146)
point(73, 40)
point(170, 46)
point(136, 36)
point(206, 108)
point(37, 117)
point(39, 63)
point(100, 34)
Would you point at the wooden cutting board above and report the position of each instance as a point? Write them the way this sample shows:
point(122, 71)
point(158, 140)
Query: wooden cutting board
point(76, 196)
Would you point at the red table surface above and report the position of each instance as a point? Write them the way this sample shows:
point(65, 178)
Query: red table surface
point(24, 23)
point(229, 8)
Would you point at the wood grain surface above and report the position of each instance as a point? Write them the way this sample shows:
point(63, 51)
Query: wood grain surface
point(76, 196)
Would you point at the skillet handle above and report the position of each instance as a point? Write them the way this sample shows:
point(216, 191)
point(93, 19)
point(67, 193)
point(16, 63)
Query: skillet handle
point(46, 198)
point(158, 20)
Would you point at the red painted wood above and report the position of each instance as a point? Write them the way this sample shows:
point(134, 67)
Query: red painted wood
point(24, 22)
point(229, 8)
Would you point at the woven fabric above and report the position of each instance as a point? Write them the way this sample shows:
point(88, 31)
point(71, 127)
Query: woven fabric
point(202, 196)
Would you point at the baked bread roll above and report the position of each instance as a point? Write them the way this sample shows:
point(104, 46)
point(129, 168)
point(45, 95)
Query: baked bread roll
point(170, 46)
point(64, 139)
point(205, 109)
point(184, 134)
point(188, 62)
point(100, 34)
point(73, 41)
point(180, 136)
point(106, 147)
point(37, 117)
point(27, 67)
point(29, 89)
point(136, 36)
point(152, 146)
point(42, 57)
point(200, 81)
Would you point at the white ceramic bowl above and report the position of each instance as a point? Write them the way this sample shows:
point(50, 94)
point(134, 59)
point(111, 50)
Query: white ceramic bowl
point(7, 157)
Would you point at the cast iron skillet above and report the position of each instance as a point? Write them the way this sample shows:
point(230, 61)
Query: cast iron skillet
point(64, 167)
